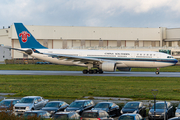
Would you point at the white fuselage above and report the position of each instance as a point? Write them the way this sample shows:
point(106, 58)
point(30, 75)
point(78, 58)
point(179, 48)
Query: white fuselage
point(122, 58)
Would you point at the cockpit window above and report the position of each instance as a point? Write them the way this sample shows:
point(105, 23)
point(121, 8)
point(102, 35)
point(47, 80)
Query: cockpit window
point(169, 57)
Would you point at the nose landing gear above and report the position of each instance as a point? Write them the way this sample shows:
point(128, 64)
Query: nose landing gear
point(157, 71)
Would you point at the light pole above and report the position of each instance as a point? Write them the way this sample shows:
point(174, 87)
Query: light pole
point(154, 92)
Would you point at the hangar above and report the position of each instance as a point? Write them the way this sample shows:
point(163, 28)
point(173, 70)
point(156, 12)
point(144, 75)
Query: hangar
point(71, 37)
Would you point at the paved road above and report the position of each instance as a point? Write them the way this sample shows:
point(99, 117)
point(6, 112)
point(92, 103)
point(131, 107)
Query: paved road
point(79, 73)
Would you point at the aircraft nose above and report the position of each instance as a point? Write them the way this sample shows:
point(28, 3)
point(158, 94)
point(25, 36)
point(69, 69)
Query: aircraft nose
point(175, 61)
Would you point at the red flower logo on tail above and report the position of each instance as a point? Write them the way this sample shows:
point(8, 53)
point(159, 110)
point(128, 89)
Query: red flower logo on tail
point(24, 36)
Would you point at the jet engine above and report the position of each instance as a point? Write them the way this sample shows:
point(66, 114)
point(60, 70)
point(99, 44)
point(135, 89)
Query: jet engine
point(124, 68)
point(108, 66)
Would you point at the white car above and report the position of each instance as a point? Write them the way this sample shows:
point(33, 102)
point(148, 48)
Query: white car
point(29, 103)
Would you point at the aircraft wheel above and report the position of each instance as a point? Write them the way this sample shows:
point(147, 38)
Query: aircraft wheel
point(85, 71)
point(100, 72)
point(157, 72)
point(95, 71)
point(91, 71)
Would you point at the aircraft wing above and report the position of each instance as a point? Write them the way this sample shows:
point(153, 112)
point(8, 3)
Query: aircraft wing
point(27, 51)
point(81, 59)
point(14, 48)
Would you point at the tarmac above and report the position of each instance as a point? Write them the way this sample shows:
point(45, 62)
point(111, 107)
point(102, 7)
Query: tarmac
point(79, 73)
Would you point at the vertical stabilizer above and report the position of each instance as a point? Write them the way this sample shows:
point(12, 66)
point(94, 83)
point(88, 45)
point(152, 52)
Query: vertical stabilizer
point(26, 39)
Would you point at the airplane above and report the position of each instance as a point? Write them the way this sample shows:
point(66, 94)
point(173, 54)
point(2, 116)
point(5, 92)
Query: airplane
point(101, 60)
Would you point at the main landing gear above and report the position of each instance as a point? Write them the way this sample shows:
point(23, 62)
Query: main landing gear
point(157, 71)
point(95, 71)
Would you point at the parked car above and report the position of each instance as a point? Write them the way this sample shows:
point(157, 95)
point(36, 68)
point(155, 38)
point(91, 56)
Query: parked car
point(111, 108)
point(162, 110)
point(66, 115)
point(55, 106)
point(38, 113)
point(95, 114)
point(130, 116)
point(177, 113)
point(29, 103)
point(80, 105)
point(7, 104)
point(134, 107)
point(174, 118)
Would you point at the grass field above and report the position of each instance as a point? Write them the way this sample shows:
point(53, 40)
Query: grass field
point(74, 87)
point(78, 86)
point(73, 68)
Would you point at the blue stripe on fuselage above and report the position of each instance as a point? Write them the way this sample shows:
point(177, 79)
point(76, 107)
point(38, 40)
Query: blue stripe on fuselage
point(138, 59)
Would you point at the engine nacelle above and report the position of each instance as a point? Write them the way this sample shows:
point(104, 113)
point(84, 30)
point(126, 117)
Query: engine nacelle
point(108, 66)
point(124, 69)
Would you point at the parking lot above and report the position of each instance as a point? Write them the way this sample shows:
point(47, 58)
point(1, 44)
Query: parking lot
point(119, 101)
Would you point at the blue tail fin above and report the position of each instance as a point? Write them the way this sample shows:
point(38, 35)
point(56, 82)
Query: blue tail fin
point(26, 39)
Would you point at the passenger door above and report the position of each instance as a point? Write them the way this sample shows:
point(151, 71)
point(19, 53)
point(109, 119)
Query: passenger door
point(14, 102)
point(61, 106)
point(141, 109)
point(41, 102)
point(111, 109)
point(91, 104)
point(36, 104)
point(115, 109)
point(86, 105)
point(170, 110)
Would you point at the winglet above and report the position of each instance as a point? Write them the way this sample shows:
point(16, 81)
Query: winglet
point(26, 39)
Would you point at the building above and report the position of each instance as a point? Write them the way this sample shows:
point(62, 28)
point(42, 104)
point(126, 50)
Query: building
point(4, 54)
point(60, 37)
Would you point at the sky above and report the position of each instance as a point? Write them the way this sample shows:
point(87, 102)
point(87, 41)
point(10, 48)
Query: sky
point(98, 13)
